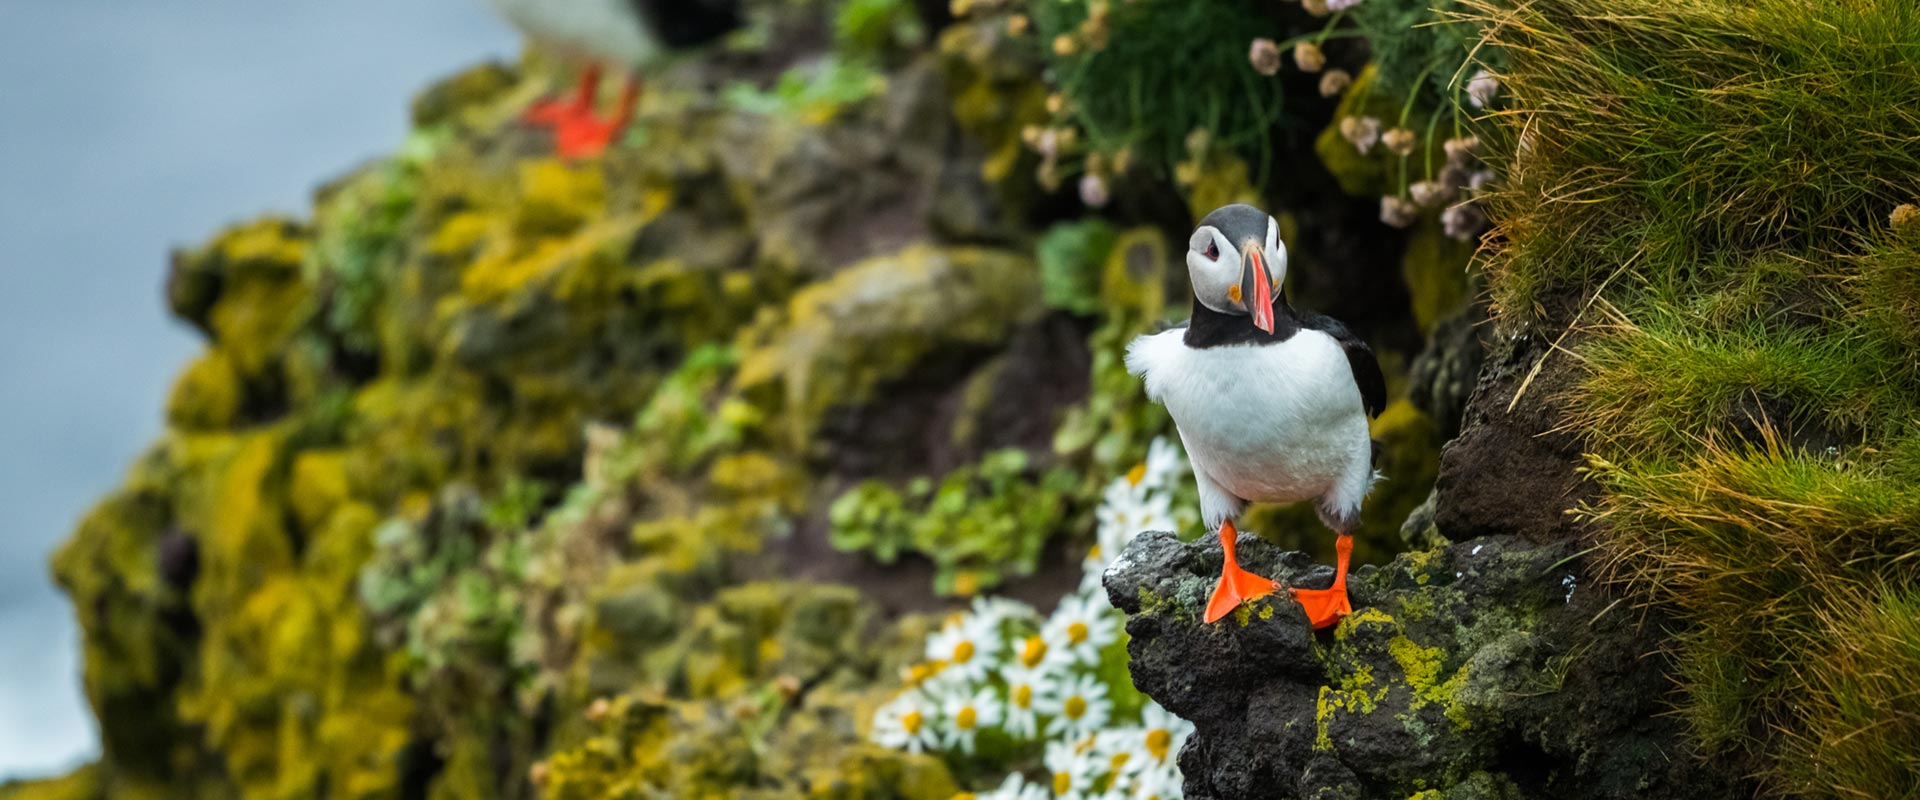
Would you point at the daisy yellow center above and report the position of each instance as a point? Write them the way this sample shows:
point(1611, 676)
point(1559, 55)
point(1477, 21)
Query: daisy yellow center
point(912, 721)
point(1023, 696)
point(1139, 471)
point(1076, 707)
point(1159, 741)
point(1095, 552)
point(919, 673)
point(1120, 760)
point(966, 583)
point(1035, 649)
point(966, 719)
point(1077, 632)
point(963, 652)
point(964, 796)
point(1062, 783)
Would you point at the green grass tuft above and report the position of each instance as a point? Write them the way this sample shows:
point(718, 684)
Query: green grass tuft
point(1702, 191)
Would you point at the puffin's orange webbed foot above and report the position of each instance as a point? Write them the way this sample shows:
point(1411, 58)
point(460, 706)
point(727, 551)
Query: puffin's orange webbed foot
point(1325, 607)
point(552, 112)
point(584, 135)
point(1236, 585)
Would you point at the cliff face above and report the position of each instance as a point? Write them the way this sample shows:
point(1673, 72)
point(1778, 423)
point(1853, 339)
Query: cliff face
point(638, 477)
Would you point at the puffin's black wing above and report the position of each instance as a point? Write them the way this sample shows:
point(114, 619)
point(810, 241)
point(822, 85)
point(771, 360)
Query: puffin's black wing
point(689, 23)
point(1366, 369)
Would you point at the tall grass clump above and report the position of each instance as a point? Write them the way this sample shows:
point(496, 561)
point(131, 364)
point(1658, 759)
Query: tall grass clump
point(1140, 76)
point(1704, 192)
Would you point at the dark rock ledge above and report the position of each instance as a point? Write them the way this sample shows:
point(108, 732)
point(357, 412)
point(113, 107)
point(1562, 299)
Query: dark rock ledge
point(1490, 668)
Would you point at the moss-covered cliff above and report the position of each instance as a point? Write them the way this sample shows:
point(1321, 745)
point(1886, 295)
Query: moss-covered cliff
point(503, 476)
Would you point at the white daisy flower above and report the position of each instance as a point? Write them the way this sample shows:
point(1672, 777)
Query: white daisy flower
point(1027, 688)
point(1092, 573)
point(1120, 752)
point(992, 611)
point(1125, 513)
point(1159, 783)
point(1079, 707)
point(1162, 735)
point(1031, 652)
point(968, 644)
point(922, 675)
point(1165, 464)
point(964, 714)
point(1074, 770)
point(1080, 627)
point(1016, 787)
point(906, 723)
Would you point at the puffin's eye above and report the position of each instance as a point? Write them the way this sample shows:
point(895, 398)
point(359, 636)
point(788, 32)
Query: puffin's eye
point(1213, 251)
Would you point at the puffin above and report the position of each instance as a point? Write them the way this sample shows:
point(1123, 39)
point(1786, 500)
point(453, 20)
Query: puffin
point(601, 33)
point(1272, 403)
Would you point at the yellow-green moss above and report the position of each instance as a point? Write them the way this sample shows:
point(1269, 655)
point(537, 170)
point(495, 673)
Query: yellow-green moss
point(844, 336)
point(84, 783)
point(1420, 668)
point(207, 395)
point(1435, 267)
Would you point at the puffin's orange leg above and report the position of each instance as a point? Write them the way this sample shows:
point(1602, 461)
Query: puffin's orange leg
point(1326, 606)
point(554, 112)
point(587, 136)
point(1236, 585)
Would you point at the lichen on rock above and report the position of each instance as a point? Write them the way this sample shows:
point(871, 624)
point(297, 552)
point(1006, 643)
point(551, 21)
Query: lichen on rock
point(1486, 668)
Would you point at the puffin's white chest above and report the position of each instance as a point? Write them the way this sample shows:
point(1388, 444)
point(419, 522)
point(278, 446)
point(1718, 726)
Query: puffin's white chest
point(1269, 422)
point(596, 30)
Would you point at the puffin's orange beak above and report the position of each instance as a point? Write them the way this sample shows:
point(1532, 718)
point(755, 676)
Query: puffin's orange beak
point(1256, 286)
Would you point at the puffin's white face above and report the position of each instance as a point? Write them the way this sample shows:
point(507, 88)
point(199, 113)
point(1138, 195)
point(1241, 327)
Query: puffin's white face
point(1238, 277)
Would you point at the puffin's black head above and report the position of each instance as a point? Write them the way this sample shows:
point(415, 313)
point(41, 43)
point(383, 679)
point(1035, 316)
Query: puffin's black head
point(690, 23)
point(1236, 261)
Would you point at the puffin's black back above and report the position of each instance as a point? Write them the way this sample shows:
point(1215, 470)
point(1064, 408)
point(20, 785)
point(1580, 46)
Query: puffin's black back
point(689, 23)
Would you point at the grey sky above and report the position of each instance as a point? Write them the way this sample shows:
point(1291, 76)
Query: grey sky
point(128, 127)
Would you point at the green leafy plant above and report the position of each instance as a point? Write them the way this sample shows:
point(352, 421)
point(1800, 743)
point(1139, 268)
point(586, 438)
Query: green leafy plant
point(980, 524)
point(815, 92)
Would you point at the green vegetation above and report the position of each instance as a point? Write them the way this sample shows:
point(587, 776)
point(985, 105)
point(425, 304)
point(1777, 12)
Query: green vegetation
point(1141, 77)
point(813, 93)
point(980, 525)
point(1702, 191)
point(484, 482)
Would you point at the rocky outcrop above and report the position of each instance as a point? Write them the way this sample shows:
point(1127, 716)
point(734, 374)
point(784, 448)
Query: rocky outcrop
point(1489, 668)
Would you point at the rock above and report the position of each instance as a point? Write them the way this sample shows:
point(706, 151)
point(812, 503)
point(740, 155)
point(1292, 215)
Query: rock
point(874, 321)
point(1513, 468)
point(1488, 668)
point(1442, 377)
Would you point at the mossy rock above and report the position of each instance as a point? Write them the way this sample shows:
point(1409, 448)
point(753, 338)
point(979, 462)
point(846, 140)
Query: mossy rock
point(474, 87)
point(207, 395)
point(843, 337)
point(1450, 657)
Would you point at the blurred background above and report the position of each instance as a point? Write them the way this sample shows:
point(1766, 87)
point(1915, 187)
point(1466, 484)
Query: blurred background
point(131, 128)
